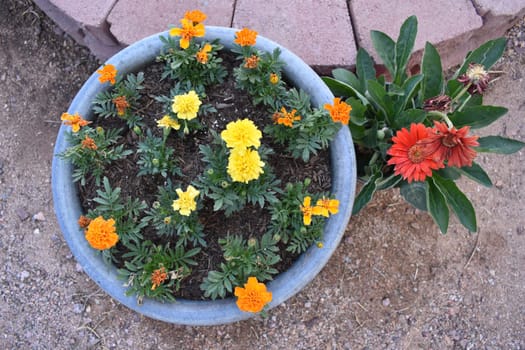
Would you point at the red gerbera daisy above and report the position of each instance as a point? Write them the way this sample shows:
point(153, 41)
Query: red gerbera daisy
point(451, 145)
point(410, 158)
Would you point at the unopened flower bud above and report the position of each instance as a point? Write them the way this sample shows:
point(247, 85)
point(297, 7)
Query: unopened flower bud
point(156, 205)
point(307, 181)
point(303, 230)
point(224, 184)
point(137, 130)
point(167, 220)
point(210, 171)
point(100, 130)
point(155, 162)
point(276, 237)
point(380, 134)
point(252, 242)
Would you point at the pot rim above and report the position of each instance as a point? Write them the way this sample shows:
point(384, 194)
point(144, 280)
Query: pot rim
point(191, 312)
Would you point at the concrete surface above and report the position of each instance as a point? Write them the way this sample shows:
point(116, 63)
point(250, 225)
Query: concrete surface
point(325, 33)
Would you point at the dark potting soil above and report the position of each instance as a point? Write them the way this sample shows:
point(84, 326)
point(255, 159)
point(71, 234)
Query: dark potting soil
point(231, 104)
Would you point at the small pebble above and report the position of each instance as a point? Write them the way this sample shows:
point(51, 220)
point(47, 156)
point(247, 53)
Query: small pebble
point(23, 275)
point(386, 301)
point(39, 217)
point(78, 308)
point(308, 305)
point(36, 231)
point(22, 214)
point(78, 268)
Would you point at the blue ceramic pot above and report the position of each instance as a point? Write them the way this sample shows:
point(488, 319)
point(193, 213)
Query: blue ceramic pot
point(190, 312)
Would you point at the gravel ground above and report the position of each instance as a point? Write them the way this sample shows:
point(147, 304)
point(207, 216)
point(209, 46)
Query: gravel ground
point(394, 282)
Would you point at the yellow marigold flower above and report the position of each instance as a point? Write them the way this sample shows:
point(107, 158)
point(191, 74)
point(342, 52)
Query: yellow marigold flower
point(328, 206)
point(251, 62)
point(195, 16)
point(83, 221)
point(108, 73)
point(158, 277)
point(186, 106)
point(186, 202)
point(244, 165)
point(74, 120)
point(121, 103)
point(168, 122)
point(89, 143)
point(308, 210)
point(287, 118)
point(274, 78)
point(241, 133)
point(187, 32)
point(202, 55)
point(101, 234)
point(320, 245)
point(253, 297)
point(340, 111)
point(245, 37)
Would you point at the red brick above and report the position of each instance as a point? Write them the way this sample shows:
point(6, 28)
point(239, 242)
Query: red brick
point(318, 31)
point(87, 12)
point(448, 24)
point(132, 20)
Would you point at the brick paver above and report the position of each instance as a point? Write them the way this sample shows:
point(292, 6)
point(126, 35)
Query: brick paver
point(438, 22)
point(321, 32)
point(132, 20)
point(87, 12)
point(318, 31)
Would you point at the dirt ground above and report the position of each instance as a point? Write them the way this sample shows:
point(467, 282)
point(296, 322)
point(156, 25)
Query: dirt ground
point(394, 283)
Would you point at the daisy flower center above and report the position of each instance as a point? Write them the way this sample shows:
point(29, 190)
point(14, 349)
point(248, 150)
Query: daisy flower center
point(416, 154)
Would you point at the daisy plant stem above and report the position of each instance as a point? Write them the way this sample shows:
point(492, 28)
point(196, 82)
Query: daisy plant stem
point(373, 159)
point(464, 103)
point(442, 116)
point(461, 93)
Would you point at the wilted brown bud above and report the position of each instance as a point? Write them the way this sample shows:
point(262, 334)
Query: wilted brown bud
point(439, 103)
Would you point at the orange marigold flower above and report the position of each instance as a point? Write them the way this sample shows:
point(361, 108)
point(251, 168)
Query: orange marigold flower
point(253, 297)
point(245, 37)
point(121, 103)
point(450, 144)
point(251, 62)
point(287, 118)
point(308, 210)
point(340, 111)
point(101, 234)
point(89, 143)
point(195, 16)
point(83, 221)
point(158, 277)
point(328, 206)
point(410, 158)
point(274, 78)
point(202, 55)
point(74, 120)
point(187, 32)
point(107, 73)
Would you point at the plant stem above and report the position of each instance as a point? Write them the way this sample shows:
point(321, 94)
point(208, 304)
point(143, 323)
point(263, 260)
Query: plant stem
point(442, 116)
